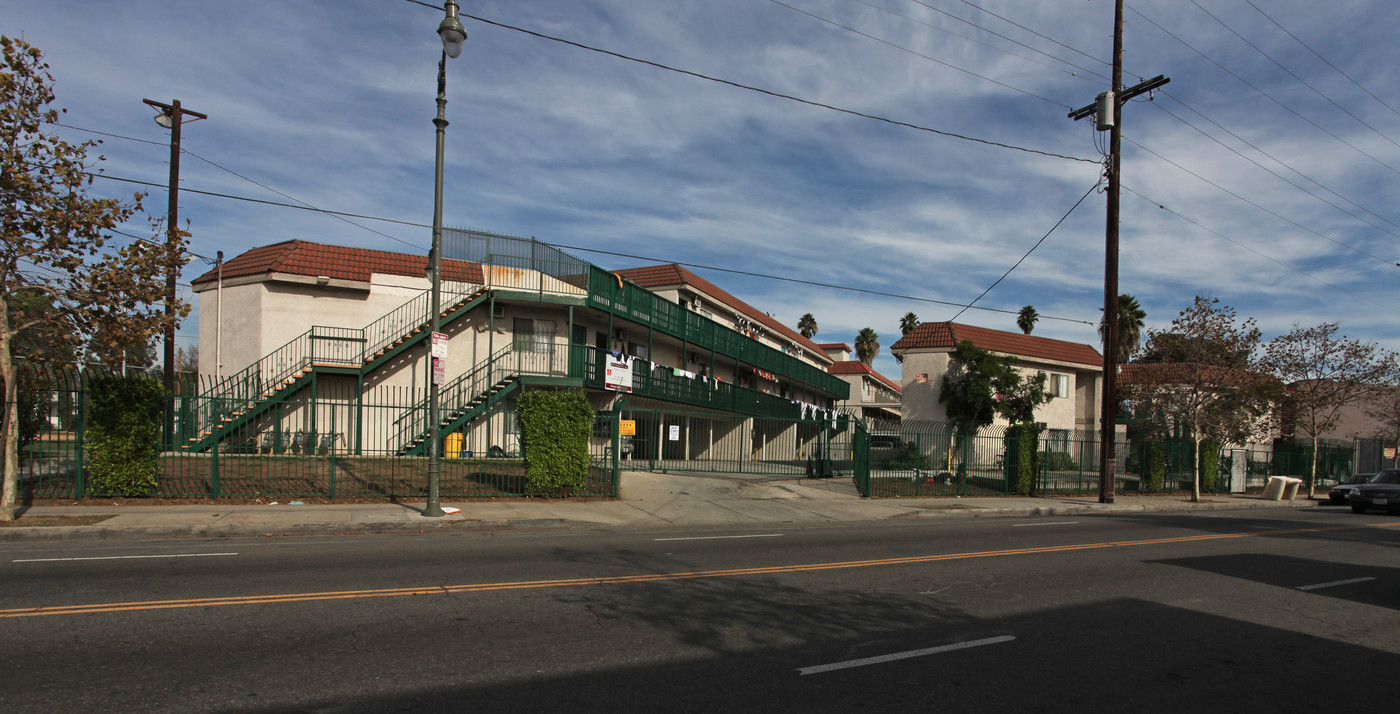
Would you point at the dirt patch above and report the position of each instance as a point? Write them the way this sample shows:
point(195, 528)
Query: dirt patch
point(50, 521)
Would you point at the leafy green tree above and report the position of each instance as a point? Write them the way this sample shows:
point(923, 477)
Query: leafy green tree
point(980, 386)
point(1324, 373)
point(1027, 318)
point(807, 325)
point(54, 248)
point(1131, 319)
point(867, 345)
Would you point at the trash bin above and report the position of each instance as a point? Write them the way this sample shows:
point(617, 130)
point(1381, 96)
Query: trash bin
point(452, 446)
point(1290, 487)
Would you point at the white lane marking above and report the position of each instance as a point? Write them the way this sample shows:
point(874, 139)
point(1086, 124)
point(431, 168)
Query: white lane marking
point(818, 669)
point(1319, 586)
point(1057, 523)
point(760, 535)
point(120, 557)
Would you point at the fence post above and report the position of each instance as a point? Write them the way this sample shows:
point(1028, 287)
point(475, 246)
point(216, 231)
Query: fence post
point(79, 483)
point(214, 486)
point(333, 432)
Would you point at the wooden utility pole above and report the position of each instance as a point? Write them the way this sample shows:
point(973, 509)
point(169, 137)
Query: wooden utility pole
point(1107, 108)
point(172, 116)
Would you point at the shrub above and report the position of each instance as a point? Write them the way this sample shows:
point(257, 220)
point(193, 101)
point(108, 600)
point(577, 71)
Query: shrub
point(1022, 458)
point(906, 456)
point(554, 431)
point(1210, 465)
point(1154, 475)
point(1060, 461)
point(123, 436)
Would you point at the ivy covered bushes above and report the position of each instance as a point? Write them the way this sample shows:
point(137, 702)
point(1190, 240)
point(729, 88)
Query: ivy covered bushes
point(1154, 476)
point(1022, 458)
point(554, 431)
point(123, 436)
point(1210, 465)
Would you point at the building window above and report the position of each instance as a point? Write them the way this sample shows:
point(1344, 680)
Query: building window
point(1056, 384)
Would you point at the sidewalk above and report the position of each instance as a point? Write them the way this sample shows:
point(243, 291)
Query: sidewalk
point(647, 500)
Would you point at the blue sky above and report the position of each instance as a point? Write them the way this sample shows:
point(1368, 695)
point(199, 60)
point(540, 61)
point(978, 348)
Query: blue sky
point(1264, 175)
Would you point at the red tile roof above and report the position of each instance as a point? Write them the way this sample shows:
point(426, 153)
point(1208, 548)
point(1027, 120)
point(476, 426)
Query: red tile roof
point(299, 257)
point(835, 345)
point(674, 275)
point(947, 335)
point(859, 367)
point(1185, 373)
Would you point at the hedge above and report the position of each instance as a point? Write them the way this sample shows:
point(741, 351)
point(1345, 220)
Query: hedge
point(123, 436)
point(554, 431)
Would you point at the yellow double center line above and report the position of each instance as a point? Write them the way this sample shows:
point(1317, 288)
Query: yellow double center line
point(625, 579)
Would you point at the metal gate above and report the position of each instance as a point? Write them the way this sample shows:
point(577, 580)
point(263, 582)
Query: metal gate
point(666, 440)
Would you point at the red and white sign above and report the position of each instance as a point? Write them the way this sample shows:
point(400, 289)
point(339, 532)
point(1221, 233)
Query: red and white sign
point(439, 372)
point(619, 374)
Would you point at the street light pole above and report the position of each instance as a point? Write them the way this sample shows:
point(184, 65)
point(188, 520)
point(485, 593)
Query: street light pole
point(171, 116)
point(453, 37)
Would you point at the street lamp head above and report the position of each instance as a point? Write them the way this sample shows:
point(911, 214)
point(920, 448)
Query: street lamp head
point(163, 119)
point(453, 35)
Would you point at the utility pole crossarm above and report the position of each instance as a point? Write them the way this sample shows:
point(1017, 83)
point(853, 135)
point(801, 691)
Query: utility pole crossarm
point(1129, 93)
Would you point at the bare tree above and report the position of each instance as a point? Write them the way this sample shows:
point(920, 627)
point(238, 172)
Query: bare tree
point(1383, 405)
point(1214, 394)
point(1324, 372)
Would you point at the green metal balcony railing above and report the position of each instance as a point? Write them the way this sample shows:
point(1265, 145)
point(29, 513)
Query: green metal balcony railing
point(642, 306)
point(272, 375)
point(663, 383)
point(635, 303)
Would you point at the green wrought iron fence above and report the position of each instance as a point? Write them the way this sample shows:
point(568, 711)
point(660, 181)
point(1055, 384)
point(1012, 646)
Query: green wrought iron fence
point(320, 449)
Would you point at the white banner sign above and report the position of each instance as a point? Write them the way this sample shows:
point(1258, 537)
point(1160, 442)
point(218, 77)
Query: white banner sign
point(619, 374)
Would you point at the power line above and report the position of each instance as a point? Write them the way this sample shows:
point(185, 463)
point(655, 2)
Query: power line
point(273, 203)
point(1275, 174)
point(1266, 95)
point(1324, 59)
point(986, 44)
point(245, 178)
point(1033, 32)
point(799, 281)
point(1028, 253)
point(1290, 72)
point(1279, 216)
point(766, 92)
point(887, 43)
point(1261, 254)
point(592, 250)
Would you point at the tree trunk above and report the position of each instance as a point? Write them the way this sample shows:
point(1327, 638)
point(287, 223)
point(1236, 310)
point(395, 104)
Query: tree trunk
point(10, 485)
point(1195, 469)
point(1312, 476)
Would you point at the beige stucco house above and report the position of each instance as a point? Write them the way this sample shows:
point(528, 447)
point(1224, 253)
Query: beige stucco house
point(296, 322)
point(1073, 371)
point(874, 397)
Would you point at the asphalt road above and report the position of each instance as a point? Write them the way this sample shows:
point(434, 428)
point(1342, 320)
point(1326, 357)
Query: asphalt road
point(1222, 611)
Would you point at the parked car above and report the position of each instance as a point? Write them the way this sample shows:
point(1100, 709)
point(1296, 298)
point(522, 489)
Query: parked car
point(1382, 492)
point(1338, 494)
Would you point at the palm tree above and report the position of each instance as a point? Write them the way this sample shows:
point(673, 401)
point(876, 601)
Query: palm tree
point(1130, 323)
point(807, 325)
point(908, 323)
point(867, 345)
point(1027, 318)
